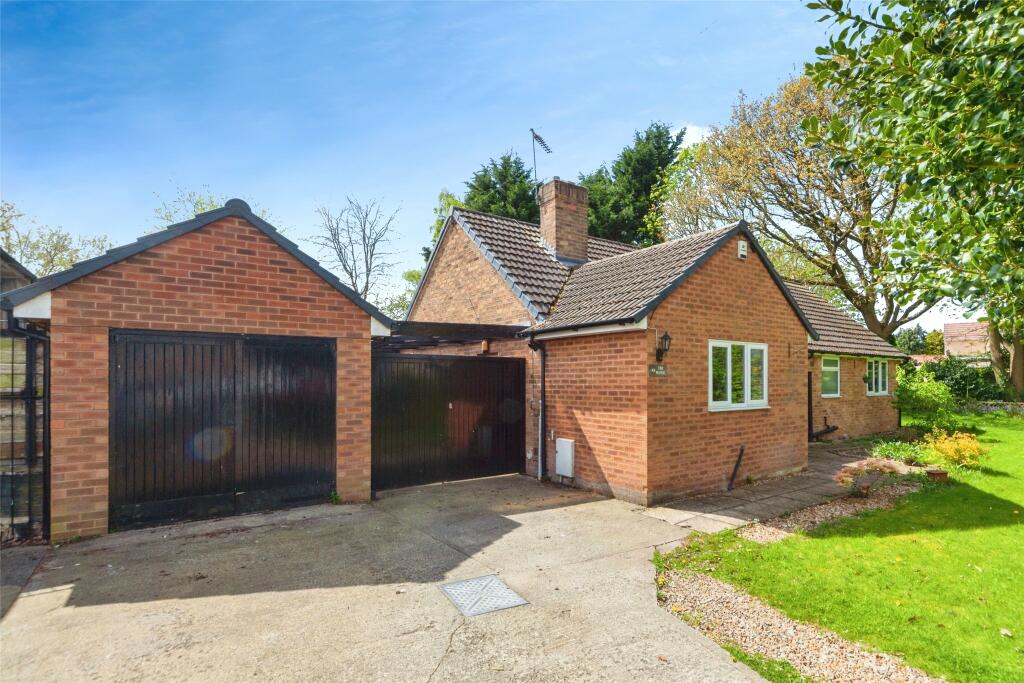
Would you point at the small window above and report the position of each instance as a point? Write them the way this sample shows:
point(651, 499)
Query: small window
point(737, 375)
point(830, 377)
point(878, 377)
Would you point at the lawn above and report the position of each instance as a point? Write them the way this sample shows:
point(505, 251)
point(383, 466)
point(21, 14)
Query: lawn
point(935, 578)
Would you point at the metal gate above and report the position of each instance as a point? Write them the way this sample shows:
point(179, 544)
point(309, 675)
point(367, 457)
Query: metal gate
point(438, 418)
point(204, 425)
point(24, 433)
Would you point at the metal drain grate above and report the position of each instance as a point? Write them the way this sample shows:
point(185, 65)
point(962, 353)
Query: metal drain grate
point(482, 595)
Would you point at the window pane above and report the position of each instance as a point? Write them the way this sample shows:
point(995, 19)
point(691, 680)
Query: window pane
point(830, 382)
point(883, 368)
point(830, 363)
point(738, 395)
point(719, 387)
point(756, 374)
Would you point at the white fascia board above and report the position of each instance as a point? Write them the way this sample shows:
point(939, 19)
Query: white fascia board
point(379, 329)
point(597, 329)
point(36, 308)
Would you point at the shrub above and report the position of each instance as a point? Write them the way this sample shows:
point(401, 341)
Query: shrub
point(967, 382)
point(959, 448)
point(919, 393)
point(898, 450)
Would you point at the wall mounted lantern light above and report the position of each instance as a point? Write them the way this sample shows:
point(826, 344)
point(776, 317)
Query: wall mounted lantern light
point(664, 344)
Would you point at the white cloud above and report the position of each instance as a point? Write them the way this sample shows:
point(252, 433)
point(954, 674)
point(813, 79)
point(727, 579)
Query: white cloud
point(694, 133)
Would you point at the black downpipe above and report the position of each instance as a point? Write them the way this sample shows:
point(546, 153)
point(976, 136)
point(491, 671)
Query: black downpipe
point(542, 447)
point(736, 467)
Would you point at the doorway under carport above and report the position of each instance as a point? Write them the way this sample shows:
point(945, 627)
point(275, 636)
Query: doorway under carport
point(439, 417)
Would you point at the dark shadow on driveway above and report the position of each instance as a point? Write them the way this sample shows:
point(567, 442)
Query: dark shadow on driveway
point(408, 536)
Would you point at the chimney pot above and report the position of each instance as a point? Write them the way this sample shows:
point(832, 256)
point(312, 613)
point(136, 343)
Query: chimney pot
point(563, 219)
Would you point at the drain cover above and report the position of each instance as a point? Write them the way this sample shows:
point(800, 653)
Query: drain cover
point(482, 595)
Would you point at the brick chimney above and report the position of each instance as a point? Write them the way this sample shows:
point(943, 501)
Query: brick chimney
point(563, 219)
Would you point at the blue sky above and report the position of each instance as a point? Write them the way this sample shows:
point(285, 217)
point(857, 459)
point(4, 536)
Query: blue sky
point(106, 106)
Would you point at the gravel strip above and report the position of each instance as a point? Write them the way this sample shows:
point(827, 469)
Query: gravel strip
point(727, 615)
point(779, 528)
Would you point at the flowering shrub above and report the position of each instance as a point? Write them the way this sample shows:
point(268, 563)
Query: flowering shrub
point(959, 448)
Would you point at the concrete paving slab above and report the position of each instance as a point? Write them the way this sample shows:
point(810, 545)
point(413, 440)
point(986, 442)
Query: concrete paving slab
point(17, 564)
point(351, 593)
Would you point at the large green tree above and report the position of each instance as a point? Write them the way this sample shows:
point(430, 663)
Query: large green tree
point(623, 195)
point(938, 87)
point(503, 186)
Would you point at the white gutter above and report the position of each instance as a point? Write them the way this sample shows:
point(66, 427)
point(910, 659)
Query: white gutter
point(596, 329)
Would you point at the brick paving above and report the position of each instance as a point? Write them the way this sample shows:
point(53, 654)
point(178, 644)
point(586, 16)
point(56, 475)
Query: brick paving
point(766, 499)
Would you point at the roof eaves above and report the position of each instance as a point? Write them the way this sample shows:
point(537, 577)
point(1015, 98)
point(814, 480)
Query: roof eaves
point(17, 265)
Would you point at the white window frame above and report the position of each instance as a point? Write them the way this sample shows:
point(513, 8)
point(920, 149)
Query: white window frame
point(839, 376)
point(747, 403)
point(878, 376)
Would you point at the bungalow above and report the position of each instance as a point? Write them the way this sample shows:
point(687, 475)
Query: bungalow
point(656, 372)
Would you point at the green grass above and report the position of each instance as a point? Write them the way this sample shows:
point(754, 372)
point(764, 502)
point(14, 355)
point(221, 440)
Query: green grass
point(933, 579)
point(774, 670)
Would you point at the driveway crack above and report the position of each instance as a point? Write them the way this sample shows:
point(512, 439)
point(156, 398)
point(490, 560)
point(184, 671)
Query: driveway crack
point(447, 650)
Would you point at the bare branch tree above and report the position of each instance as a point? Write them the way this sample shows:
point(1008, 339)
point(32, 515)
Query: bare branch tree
point(353, 241)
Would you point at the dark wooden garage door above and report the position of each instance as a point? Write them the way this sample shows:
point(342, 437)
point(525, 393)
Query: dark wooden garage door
point(438, 418)
point(206, 425)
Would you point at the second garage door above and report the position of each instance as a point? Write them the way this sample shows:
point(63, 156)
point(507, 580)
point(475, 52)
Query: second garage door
point(204, 425)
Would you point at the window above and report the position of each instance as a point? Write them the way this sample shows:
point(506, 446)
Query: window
point(878, 377)
point(830, 377)
point(737, 375)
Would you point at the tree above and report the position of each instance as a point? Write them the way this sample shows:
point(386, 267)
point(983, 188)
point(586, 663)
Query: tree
point(353, 240)
point(623, 196)
point(935, 343)
point(939, 93)
point(397, 305)
point(824, 220)
point(42, 249)
point(186, 204)
point(503, 187)
point(910, 339)
point(446, 201)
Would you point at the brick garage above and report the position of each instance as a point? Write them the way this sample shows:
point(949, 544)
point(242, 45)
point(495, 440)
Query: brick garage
point(227, 271)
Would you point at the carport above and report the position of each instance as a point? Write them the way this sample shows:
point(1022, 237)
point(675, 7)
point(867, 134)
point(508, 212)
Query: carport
point(442, 408)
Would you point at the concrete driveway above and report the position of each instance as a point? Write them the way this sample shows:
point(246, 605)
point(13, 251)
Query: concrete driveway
point(351, 593)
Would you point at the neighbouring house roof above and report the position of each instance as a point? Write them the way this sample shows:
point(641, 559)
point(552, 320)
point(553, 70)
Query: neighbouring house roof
point(969, 339)
point(20, 272)
point(515, 249)
point(232, 208)
point(627, 287)
point(920, 358)
point(838, 332)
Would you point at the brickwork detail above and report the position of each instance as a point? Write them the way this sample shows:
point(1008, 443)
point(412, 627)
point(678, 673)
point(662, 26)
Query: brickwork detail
point(225, 277)
point(463, 286)
point(563, 218)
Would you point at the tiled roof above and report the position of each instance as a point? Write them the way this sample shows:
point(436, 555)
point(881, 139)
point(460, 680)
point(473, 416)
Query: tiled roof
point(621, 288)
point(838, 332)
point(529, 266)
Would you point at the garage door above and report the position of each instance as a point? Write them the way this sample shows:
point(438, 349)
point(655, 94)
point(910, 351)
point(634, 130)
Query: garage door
point(206, 425)
point(439, 418)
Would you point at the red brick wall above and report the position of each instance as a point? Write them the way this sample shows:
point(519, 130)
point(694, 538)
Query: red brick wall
point(597, 396)
point(690, 448)
point(224, 277)
point(856, 413)
point(462, 286)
